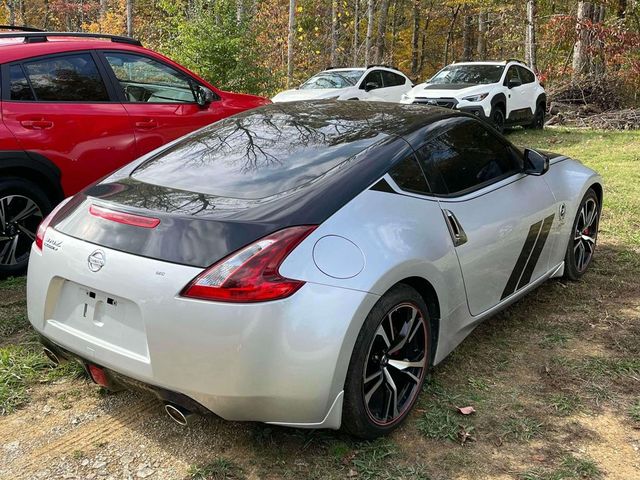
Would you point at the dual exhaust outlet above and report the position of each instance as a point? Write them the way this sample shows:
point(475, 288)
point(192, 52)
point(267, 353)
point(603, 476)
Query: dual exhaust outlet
point(178, 414)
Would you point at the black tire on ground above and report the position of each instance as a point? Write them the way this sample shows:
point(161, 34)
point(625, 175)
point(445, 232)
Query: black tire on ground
point(497, 118)
point(583, 238)
point(538, 119)
point(383, 362)
point(23, 205)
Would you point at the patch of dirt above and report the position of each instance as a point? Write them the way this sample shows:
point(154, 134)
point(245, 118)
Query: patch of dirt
point(617, 452)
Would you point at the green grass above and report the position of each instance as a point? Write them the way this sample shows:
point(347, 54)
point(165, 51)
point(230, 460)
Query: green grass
point(615, 155)
point(570, 468)
point(22, 365)
point(634, 412)
point(564, 404)
point(218, 469)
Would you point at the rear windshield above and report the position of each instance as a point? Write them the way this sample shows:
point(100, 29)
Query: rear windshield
point(259, 153)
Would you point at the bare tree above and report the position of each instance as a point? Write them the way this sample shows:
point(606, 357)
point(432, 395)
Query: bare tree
point(447, 46)
point(467, 38)
point(356, 27)
point(582, 39)
point(239, 11)
point(530, 43)
point(483, 20)
point(129, 8)
point(367, 53)
point(334, 33)
point(290, 39)
point(414, 37)
point(12, 12)
point(382, 30)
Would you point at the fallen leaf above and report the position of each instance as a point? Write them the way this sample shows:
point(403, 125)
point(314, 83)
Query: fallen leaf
point(466, 410)
point(352, 473)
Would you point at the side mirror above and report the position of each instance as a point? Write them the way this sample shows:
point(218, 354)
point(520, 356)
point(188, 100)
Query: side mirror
point(371, 86)
point(535, 163)
point(514, 82)
point(204, 95)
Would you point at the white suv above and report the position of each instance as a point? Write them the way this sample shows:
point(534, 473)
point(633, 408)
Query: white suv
point(376, 82)
point(504, 93)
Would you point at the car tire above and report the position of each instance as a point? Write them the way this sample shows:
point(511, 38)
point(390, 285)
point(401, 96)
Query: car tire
point(497, 119)
point(584, 235)
point(23, 205)
point(538, 119)
point(391, 353)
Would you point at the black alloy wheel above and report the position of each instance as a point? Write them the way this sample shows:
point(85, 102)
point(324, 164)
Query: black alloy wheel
point(22, 208)
point(584, 236)
point(497, 119)
point(388, 364)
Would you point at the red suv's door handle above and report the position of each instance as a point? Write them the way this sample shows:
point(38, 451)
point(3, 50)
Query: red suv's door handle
point(36, 124)
point(147, 125)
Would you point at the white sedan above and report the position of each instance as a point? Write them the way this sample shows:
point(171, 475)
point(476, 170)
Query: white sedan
point(375, 83)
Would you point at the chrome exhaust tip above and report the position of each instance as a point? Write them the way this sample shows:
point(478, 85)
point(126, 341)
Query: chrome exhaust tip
point(51, 356)
point(178, 414)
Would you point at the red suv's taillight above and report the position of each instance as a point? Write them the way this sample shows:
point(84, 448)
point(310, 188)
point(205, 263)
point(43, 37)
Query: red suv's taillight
point(44, 224)
point(251, 274)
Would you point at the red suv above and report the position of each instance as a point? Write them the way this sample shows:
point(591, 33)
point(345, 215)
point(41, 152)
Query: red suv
point(74, 108)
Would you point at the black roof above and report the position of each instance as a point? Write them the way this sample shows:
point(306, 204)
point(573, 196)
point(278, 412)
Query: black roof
point(251, 174)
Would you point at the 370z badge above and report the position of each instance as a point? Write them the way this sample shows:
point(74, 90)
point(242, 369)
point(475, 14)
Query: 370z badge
point(96, 260)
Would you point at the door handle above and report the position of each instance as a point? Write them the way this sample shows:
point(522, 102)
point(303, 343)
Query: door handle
point(36, 124)
point(146, 125)
point(458, 234)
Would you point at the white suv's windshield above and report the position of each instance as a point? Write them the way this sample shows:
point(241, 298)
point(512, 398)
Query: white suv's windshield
point(471, 74)
point(328, 79)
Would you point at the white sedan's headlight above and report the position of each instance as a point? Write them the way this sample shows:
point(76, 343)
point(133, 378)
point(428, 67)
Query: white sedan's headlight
point(476, 98)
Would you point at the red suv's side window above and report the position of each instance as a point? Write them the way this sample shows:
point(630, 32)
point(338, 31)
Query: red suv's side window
point(59, 78)
point(143, 79)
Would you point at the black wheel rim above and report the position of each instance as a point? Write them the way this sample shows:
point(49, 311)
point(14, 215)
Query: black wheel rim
point(498, 120)
point(395, 364)
point(586, 234)
point(19, 220)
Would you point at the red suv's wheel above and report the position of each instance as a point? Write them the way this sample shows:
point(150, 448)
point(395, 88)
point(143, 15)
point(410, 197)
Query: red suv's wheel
point(23, 205)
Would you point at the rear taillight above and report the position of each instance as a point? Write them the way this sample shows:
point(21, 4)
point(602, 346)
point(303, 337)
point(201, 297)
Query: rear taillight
point(44, 224)
point(123, 217)
point(251, 274)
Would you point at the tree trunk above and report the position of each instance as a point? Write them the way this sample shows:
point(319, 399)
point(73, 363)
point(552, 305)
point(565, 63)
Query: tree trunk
point(423, 41)
point(483, 20)
point(356, 25)
point(290, 39)
point(622, 8)
point(368, 40)
point(103, 8)
point(394, 32)
point(12, 12)
point(239, 11)
point(530, 44)
point(414, 38)
point(452, 25)
point(582, 39)
point(467, 39)
point(382, 30)
point(334, 33)
point(129, 8)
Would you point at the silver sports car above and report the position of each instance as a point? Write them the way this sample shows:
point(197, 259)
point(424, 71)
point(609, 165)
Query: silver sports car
point(305, 264)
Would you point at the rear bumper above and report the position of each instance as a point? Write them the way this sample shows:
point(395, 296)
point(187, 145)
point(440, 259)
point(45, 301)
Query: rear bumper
point(281, 362)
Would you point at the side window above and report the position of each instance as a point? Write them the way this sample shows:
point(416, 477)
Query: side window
point(526, 75)
point(372, 77)
point(512, 74)
point(72, 78)
point(146, 80)
point(408, 175)
point(466, 157)
point(18, 84)
point(392, 79)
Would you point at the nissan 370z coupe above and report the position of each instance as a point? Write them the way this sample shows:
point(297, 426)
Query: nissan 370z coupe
point(304, 264)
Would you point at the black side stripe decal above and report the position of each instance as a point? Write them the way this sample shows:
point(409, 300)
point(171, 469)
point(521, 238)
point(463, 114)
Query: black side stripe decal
point(528, 258)
point(537, 250)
